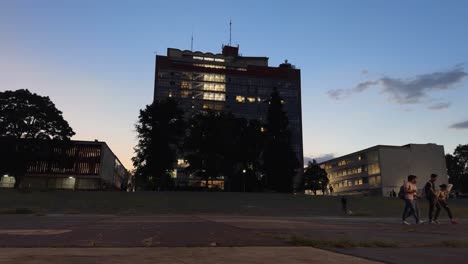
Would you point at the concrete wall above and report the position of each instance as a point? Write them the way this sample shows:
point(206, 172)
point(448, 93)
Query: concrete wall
point(107, 166)
point(418, 159)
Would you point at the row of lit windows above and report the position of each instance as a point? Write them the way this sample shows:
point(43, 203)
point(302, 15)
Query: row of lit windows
point(243, 99)
point(207, 59)
point(372, 181)
point(211, 77)
point(211, 66)
point(371, 169)
point(214, 96)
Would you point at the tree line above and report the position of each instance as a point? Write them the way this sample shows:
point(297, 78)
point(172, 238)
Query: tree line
point(246, 155)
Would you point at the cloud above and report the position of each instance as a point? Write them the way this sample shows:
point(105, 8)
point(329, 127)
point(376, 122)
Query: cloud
point(461, 125)
point(439, 106)
point(407, 91)
point(319, 159)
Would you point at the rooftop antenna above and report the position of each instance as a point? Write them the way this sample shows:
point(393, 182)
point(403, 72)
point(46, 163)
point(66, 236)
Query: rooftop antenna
point(191, 43)
point(230, 31)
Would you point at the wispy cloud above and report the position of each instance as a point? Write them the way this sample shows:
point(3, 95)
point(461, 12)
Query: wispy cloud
point(439, 106)
point(461, 125)
point(409, 91)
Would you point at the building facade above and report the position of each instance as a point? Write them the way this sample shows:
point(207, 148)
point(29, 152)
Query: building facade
point(229, 82)
point(379, 170)
point(73, 165)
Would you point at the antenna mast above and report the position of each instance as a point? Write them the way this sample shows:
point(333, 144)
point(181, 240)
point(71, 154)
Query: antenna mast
point(230, 32)
point(191, 43)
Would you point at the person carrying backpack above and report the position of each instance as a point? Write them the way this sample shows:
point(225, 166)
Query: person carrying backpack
point(431, 196)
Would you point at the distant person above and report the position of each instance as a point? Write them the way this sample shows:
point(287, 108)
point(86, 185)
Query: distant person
point(344, 204)
point(393, 193)
point(442, 197)
point(331, 190)
point(431, 196)
point(410, 192)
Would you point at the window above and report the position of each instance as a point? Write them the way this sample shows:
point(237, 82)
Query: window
point(197, 58)
point(212, 66)
point(251, 99)
point(185, 85)
point(240, 99)
point(214, 96)
point(209, 77)
point(208, 59)
point(219, 60)
point(218, 87)
point(373, 169)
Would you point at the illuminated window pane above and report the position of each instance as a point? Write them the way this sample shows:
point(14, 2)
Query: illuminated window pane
point(185, 85)
point(214, 96)
point(251, 99)
point(209, 59)
point(219, 60)
point(240, 99)
point(197, 58)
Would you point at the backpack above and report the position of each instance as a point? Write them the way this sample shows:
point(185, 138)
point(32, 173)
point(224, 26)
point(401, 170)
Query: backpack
point(401, 192)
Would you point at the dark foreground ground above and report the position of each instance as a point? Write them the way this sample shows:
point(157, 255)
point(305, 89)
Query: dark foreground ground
point(97, 227)
point(378, 239)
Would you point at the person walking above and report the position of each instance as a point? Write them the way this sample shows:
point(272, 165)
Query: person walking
point(442, 198)
point(431, 196)
point(410, 193)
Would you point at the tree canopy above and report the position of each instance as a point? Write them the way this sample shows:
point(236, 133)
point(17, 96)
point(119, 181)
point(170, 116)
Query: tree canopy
point(160, 127)
point(457, 168)
point(28, 115)
point(279, 160)
point(315, 178)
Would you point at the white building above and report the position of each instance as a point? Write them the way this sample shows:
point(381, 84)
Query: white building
point(380, 169)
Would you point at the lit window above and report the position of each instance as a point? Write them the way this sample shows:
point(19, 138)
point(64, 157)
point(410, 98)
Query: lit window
point(180, 162)
point(262, 129)
point(214, 96)
point(214, 77)
point(208, 59)
point(210, 66)
point(251, 99)
point(240, 99)
point(185, 85)
point(197, 58)
point(219, 60)
point(218, 87)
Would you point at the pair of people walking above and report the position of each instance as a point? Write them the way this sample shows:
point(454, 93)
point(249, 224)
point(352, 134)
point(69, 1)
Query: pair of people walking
point(436, 200)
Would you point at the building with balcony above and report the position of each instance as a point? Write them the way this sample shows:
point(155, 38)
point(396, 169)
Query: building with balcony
point(229, 82)
point(73, 165)
point(379, 170)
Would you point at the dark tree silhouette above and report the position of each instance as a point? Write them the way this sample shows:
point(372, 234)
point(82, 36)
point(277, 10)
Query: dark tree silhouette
point(160, 127)
point(27, 115)
point(279, 159)
point(315, 178)
point(220, 145)
point(461, 158)
point(454, 171)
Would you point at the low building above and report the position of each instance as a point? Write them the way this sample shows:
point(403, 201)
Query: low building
point(75, 165)
point(379, 170)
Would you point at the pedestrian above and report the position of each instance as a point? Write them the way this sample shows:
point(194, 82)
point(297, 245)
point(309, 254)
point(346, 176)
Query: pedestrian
point(393, 193)
point(344, 204)
point(442, 197)
point(410, 193)
point(431, 196)
point(331, 190)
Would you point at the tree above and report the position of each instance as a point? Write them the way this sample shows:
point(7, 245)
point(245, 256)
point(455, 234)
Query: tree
point(315, 178)
point(212, 146)
point(27, 115)
point(454, 170)
point(279, 159)
point(160, 127)
point(461, 158)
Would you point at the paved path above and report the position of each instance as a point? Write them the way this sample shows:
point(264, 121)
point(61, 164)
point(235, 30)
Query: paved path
point(196, 255)
point(215, 232)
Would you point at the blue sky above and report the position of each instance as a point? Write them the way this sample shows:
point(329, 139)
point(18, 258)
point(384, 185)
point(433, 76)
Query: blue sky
point(95, 59)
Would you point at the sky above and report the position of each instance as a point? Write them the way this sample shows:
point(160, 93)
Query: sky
point(372, 71)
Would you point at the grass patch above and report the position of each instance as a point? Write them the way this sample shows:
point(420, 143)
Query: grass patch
point(452, 244)
point(341, 243)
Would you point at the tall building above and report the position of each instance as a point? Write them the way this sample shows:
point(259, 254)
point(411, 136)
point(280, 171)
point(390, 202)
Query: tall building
point(74, 165)
point(380, 169)
point(229, 82)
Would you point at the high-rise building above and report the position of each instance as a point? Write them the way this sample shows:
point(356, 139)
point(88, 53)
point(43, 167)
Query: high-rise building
point(232, 83)
point(380, 170)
